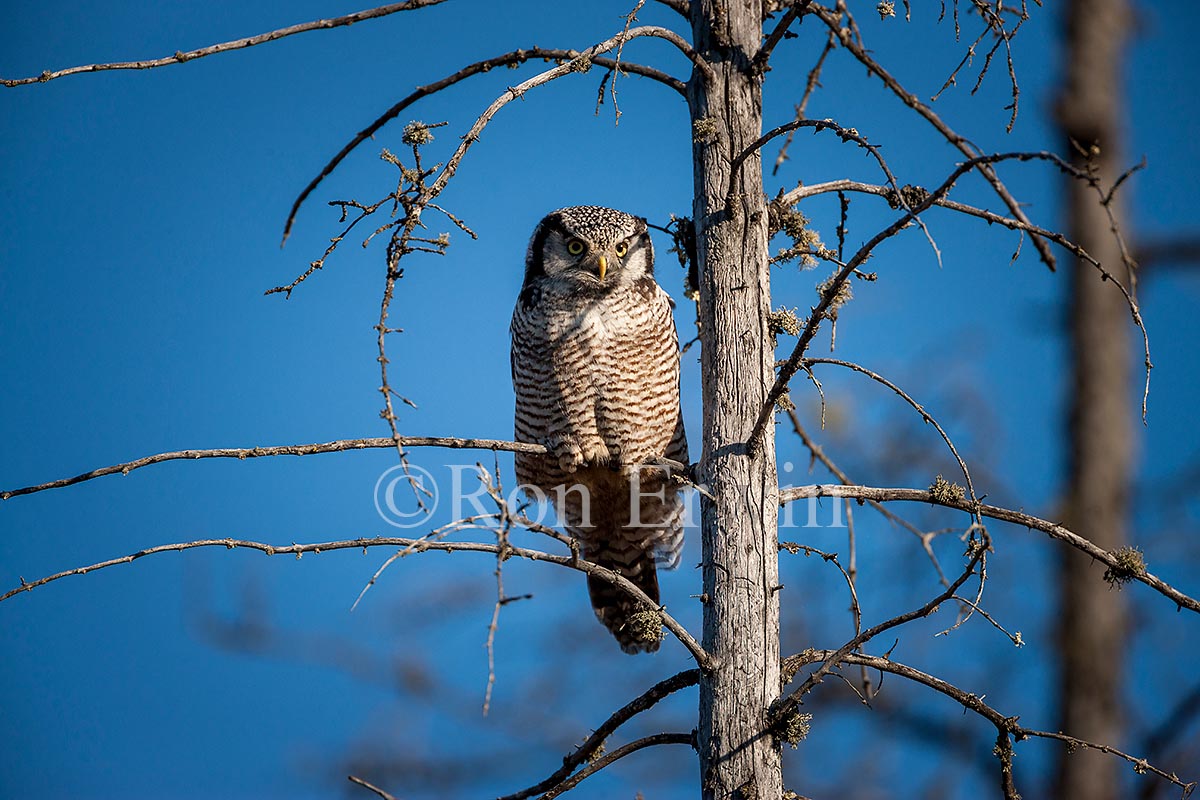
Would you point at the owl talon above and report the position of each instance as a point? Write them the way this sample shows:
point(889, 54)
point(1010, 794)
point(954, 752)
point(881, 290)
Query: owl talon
point(615, 462)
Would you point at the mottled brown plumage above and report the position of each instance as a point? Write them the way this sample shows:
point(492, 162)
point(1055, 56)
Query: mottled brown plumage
point(595, 364)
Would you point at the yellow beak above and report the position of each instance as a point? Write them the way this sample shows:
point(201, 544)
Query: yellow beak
point(603, 266)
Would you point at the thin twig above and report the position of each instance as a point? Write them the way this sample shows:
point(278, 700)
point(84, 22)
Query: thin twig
point(615, 72)
point(832, 558)
point(763, 56)
point(507, 520)
point(237, 44)
point(703, 659)
point(594, 742)
point(466, 523)
point(1006, 726)
point(849, 41)
point(925, 415)
point(380, 792)
point(479, 67)
point(622, 751)
point(1054, 530)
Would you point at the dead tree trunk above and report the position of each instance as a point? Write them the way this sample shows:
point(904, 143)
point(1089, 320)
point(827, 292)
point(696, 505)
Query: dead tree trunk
point(738, 757)
point(1092, 633)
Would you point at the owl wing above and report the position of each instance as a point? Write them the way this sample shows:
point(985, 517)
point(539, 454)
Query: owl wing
point(668, 541)
point(531, 368)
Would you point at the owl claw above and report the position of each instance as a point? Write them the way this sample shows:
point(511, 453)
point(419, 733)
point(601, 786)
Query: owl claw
point(615, 462)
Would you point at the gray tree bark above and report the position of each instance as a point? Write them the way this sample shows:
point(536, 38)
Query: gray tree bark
point(1092, 620)
point(739, 757)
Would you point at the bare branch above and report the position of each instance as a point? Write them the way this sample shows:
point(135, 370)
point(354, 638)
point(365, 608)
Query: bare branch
point(593, 743)
point(599, 764)
point(793, 364)
point(787, 704)
point(703, 659)
point(763, 57)
point(338, 446)
point(549, 75)
point(1006, 726)
point(845, 185)
point(507, 59)
point(845, 134)
point(237, 44)
point(811, 84)
point(848, 41)
point(379, 792)
point(819, 454)
point(1054, 530)
point(925, 415)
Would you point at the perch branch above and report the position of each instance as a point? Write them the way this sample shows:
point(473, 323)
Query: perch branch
point(338, 446)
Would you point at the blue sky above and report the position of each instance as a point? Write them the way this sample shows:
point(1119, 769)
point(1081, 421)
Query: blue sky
point(140, 218)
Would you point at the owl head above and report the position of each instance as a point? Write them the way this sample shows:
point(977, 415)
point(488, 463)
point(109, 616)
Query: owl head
point(590, 247)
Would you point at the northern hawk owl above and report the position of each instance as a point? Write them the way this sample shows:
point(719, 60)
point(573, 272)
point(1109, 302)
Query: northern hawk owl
point(595, 366)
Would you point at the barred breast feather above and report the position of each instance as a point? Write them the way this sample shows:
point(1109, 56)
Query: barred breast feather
point(598, 369)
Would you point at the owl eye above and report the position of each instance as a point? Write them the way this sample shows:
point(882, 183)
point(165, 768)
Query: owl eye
point(574, 246)
point(622, 249)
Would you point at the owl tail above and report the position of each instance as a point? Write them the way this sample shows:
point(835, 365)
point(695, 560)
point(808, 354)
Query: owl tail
point(636, 626)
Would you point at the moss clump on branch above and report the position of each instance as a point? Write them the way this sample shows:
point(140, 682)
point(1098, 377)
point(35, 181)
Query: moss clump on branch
point(945, 492)
point(794, 728)
point(806, 243)
point(784, 320)
point(1130, 563)
point(909, 196)
point(843, 295)
point(416, 133)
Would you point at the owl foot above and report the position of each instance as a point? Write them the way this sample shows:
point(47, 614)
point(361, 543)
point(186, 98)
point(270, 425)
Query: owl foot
point(573, 454)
